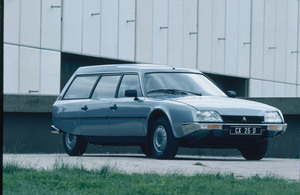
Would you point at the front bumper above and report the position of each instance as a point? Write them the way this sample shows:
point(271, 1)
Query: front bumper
point(192, 127)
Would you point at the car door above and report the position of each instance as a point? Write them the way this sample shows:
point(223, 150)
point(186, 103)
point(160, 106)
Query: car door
point(95, 112)
point(126, 112)
point(66, 110)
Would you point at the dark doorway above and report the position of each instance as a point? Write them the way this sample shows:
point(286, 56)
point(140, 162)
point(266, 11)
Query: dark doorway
point(225, 83)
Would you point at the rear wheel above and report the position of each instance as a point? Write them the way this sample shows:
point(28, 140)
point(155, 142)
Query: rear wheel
point(75, 145)
point(256, 152)
point(163, 143)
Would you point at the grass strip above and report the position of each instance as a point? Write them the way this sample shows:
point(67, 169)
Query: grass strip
point(106, 180)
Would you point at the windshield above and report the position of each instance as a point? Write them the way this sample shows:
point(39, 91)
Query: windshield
point(157, 84)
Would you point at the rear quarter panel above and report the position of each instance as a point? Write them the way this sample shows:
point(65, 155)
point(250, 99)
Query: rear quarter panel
point(65, 115)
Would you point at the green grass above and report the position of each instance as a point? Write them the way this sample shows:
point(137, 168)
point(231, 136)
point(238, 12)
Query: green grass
point(64, 179)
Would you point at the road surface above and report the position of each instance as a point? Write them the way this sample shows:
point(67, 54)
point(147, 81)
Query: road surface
point(187, 165)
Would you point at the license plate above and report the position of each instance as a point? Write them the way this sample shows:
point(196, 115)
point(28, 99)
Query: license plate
point(245, 131)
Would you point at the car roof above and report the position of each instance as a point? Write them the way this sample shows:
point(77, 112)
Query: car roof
point(141, 68)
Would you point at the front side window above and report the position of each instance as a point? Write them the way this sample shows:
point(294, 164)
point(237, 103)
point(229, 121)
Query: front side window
point(81, 87)
point(106, 87)
point(129, 82)
point(157, 84)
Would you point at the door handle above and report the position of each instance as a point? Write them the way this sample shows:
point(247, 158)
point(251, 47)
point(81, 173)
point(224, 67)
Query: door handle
point(84, 108)
point(113, 106)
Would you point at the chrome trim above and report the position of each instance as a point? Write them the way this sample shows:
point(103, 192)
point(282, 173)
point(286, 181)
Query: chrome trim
point(55, 130)
point(192, 127)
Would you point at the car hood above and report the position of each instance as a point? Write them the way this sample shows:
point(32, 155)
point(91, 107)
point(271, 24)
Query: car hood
point(226, 105)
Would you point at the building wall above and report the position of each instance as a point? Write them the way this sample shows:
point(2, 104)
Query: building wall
point(32, 39)
point(257, 40)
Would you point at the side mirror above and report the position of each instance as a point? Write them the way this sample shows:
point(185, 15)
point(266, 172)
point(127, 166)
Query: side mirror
point(231, 94)
point(131, 93)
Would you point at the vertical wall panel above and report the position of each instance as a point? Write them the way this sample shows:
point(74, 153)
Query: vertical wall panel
point(298, 50)
point(72, 26)
point(237, 48)
point(291, 90)
point(291, 48)
point(189, 55)
point(10, 69)
point(30, 23)
point(298, 90)
point(51, 24)
point(91, 27)
point(50, 72)
point(232, 37)
point(11, 21)
point(160, 32)
point(126, 29)
point(109, 28)
point(244, 38)
point(268, 89)
point(279, 90)
point(281, 36)
point(205, 35)
point(143, 51)
point(175, 36)
point(257, 41)
point(29, 80)
point(255, 88)
point(269, 39)
point(218, 33)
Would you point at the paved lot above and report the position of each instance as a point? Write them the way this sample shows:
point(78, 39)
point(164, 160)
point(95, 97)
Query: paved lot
point(188, 165)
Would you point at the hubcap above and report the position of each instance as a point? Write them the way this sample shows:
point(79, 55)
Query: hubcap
point(160, 138)
point(70, 141)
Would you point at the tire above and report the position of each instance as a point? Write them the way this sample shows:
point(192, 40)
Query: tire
point(146, 150)
point(162, 141)
point(256, 152)
point(74, 145)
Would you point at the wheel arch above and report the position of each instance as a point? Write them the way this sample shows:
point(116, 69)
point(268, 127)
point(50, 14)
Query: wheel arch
point(156, 114)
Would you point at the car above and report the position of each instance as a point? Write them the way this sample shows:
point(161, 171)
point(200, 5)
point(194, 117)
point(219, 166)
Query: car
point(159, 108)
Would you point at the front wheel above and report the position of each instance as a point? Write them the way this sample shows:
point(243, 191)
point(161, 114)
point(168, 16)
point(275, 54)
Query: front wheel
point(75, 145)
point(256, 152)
point(146, 150)
point(163, 143)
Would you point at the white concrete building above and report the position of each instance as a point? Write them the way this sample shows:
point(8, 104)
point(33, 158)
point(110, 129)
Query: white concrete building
point(252, 46)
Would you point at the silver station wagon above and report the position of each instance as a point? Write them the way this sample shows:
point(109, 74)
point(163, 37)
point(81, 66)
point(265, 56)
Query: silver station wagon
point(159, 108)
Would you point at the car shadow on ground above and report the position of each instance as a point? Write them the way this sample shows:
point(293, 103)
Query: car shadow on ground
point(116, 156)
point(211, 158)
point(177, 158)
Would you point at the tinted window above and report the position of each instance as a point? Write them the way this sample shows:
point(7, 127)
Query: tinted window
point(129, 82)
point(81, 87)
point(106, 87)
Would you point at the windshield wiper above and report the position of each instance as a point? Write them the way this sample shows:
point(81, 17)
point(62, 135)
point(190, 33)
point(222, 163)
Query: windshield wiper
point(174, 91)
point(170, 91)
point(194, 93)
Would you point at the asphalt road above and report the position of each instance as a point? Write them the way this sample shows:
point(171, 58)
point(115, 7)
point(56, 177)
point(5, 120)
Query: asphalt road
point(187, 165)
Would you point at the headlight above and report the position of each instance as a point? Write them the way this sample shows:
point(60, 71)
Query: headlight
point(208, 116)
point(272, 117)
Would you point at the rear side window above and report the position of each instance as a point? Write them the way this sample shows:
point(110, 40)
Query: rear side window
point(106, 87)
point(81, 87)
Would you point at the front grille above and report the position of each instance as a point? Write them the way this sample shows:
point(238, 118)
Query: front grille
point(243, 119)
